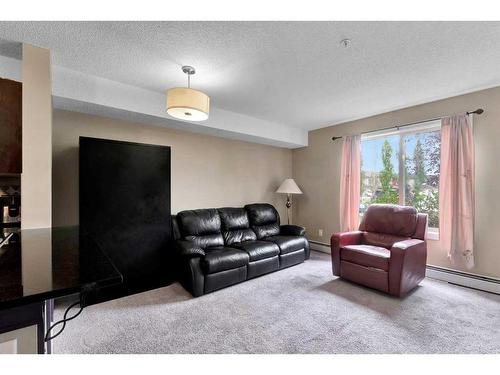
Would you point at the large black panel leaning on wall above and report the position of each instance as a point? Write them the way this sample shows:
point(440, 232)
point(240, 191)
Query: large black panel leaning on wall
point(125, 206)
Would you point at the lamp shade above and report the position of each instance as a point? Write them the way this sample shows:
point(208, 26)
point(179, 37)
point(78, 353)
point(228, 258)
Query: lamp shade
point(187, 104)
point(289, 187)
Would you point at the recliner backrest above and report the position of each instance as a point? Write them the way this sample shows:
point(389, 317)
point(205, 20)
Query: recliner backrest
point(421, 230)
point(203, 227)
point(390, 219)
point(264, 219)
point(381, 239)
point(235, 225)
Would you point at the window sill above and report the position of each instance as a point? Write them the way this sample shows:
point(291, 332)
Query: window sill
point(432, 234)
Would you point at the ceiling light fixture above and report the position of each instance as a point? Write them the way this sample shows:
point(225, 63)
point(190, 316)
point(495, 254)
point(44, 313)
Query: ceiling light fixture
point(186, 103)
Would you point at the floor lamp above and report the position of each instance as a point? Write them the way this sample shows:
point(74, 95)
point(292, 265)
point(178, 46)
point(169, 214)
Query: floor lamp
point(288, 187)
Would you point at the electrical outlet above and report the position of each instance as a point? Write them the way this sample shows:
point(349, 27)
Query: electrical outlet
point(320, 232)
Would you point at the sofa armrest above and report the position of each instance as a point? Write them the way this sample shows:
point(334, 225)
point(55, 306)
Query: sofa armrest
point(292, 230)
point(407, 266)
point(188, 249)
point(339, 240)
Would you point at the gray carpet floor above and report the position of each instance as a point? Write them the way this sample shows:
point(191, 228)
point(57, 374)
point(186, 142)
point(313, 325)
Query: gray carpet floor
point(302, 309)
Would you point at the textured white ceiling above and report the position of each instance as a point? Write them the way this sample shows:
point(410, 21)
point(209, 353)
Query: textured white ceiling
point(292, 73)
point(10, 49)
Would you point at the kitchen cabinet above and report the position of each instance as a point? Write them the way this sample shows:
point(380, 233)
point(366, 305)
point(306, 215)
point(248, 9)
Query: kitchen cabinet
point(10, 126)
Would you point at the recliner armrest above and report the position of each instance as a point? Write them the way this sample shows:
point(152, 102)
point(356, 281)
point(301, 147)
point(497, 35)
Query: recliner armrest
point(407, 244)
point(339, 240)
point(292, 230)
point(346, 238)
point(407, 266)
point(188, 249)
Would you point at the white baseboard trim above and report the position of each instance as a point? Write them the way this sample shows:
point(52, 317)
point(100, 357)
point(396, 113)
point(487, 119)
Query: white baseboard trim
point(468, 280)
point(318, 246)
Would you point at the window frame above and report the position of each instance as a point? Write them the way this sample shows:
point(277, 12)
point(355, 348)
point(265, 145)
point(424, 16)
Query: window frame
point(432, 233)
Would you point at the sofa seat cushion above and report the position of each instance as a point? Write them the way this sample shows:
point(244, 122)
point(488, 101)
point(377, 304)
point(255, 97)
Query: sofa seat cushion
point(258, 250)
point(366, 255)
point(223, 258)
point(288, 244)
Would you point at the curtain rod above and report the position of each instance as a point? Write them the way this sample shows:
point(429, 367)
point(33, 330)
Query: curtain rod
point(477, 112)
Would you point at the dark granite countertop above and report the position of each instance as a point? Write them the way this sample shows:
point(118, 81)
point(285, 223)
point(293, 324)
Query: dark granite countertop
point(51, 262)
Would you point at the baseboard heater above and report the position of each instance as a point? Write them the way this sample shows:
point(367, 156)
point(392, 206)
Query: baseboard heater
point(468, 280)
point(319, 246)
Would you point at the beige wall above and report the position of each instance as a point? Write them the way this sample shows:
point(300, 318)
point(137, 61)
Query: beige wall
point(36, 184)
point(213, 172)
point(316, 169)
point(20, 341)
point(206, 171)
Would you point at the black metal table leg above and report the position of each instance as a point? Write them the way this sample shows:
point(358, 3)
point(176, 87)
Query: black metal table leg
point(48, 319)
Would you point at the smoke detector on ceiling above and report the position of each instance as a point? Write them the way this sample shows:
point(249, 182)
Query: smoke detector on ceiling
point(346, 43)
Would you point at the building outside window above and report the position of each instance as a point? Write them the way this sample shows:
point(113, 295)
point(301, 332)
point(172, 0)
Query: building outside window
point(401, 166)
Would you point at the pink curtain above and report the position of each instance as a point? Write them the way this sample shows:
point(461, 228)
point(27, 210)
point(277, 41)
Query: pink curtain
point(456, 190)
point(350, 183)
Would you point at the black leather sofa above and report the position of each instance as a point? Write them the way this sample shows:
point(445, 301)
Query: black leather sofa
point(216, 248)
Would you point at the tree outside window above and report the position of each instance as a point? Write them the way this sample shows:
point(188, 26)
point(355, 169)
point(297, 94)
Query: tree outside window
point(402, 168)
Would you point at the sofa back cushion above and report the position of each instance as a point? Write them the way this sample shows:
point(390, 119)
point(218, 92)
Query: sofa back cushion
point(264, 219)
point(390, 219)
point(203, 227)
point(235, 225)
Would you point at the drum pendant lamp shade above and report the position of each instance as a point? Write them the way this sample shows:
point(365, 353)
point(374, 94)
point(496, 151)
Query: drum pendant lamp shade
point(186, 103)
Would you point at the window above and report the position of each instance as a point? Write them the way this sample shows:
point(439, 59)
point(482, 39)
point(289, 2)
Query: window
point(401, 166)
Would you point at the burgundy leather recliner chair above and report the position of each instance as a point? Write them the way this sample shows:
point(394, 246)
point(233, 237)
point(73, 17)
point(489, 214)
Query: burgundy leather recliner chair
point(387, 253)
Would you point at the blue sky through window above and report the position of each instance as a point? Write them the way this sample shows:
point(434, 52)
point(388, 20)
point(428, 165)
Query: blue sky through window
point(371, 153)
point(371, 150)
point(420, 191)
